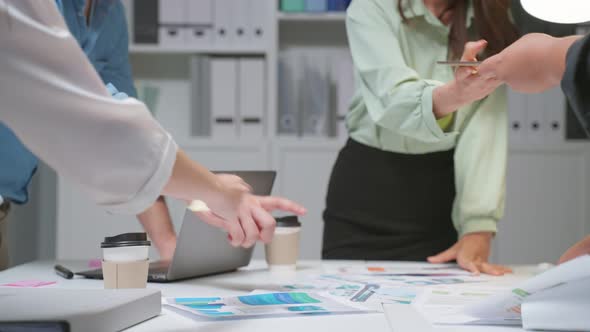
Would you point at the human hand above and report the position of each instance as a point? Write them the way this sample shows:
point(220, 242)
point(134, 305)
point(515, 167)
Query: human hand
point(468, 86)
point(254, 220)
point(471, 253)
point(578, 249)
point(532, 64)
point(231, 191)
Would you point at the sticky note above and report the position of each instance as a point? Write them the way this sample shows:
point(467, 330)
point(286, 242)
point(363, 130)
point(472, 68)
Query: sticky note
point(95, 263)
point(29, 283)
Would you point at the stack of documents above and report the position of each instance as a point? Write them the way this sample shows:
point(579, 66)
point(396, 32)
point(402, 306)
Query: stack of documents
point(558, 299)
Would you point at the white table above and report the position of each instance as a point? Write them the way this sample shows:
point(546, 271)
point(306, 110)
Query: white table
point(255, 276)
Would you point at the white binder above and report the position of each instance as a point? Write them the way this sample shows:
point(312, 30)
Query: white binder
point(258, 22)
point(252, 97)
point(536, 126)
point(224, 75)
point(172, 17)
point(316, 95)
point(200, 95)
point(200, 22)
point(241, 33)
point(517, 121)
point(223, 14)
point(172, 12)
point(345, 89)
point(290, 80)
point(554, 116)
point(172, 36)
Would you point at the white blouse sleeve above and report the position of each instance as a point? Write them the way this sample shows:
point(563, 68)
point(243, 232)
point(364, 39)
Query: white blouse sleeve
point(55, 102)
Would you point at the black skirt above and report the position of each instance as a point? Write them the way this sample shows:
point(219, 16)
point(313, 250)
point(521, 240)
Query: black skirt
point(389, 206)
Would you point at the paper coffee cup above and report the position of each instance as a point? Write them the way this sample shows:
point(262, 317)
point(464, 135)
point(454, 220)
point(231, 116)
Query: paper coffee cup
point(125, 260)
point(283, 251)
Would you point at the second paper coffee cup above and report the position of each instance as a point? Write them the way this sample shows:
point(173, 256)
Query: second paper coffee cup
point(125, 260)
point(283, 251)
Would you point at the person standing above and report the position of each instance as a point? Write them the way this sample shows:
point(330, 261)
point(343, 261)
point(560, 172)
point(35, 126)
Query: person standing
point(422, 175)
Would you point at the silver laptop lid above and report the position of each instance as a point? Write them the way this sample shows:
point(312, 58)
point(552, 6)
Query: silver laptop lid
point(202, 249)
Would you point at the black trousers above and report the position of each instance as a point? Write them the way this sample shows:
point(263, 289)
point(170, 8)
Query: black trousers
point(389, 206)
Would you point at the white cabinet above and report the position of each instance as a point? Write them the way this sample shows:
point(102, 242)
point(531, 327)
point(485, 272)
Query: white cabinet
point(546, 204)
point(304, 170)
point(81, 225)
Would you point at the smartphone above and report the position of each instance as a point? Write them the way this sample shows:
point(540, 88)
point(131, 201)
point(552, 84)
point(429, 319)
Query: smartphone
point(459, 63)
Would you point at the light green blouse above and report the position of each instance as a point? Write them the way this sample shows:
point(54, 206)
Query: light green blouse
point(396, 72)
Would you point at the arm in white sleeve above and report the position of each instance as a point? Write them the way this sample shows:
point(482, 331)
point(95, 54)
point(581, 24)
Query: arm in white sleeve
point(55, 102)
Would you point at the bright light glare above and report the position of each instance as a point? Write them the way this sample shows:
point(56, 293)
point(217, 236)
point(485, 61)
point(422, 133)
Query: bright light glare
point(559, 11)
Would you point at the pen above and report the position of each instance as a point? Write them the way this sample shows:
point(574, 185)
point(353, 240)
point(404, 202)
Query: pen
point(64, 272)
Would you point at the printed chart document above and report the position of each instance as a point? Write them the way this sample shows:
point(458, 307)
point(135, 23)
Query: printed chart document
point(558, 299)
point(261, 305)
point(371, 286)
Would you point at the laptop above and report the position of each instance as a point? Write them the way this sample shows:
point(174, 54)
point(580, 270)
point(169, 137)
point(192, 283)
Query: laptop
point(202, 249)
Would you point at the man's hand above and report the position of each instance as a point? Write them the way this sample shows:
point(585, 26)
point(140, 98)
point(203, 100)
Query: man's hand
point(578, 249)
point(254, 221)
point(532, 64)
point(471, 253)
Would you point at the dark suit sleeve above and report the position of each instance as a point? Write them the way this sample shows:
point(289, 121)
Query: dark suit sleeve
point(576, 80)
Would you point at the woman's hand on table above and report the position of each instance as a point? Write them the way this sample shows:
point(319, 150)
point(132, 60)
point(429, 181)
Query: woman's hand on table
point(471, 253)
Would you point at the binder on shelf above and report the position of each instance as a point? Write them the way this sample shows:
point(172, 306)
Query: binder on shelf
point(289, 72)
point(200, 103)
point(317, 113)
point(293, 5)
point(172, 17)
point(223, 16)
point(200, 23)
point(345, 90)
point(258, 22)
point(252, 97)
point(316, 5)
point(554, 115)
point(338, 5)
point(535, 128)
point(170, 35)
point(517, 121)
point(172, 12)
point(224, 95)
point(241, 33)
point(145, 21)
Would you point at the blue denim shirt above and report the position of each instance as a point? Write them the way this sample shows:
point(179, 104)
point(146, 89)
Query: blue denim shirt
point(105, 41)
